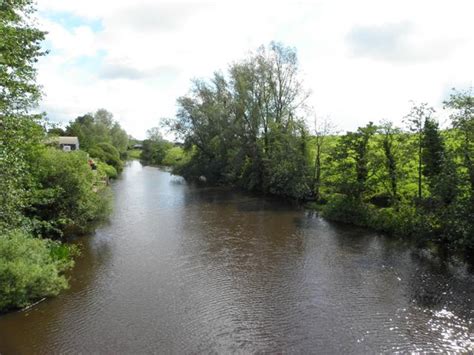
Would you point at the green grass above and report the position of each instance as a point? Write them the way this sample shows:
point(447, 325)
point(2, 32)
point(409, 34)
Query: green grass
point(174, 156)
point(134, 154)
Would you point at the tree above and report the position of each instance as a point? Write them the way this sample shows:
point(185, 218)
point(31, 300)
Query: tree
point(30, 268)
point(155, 147)
point(154, 134)
point(433, 151)
point(245, 125)
point(390, 143)
point(119, 138)
point(322, 129)
point(415, 120)
point(20, 135)
point(354, 166)
point(92, 129)
point(20, 44)
point(461, 104)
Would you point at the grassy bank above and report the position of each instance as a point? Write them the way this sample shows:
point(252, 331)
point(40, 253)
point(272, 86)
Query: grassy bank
point(134, 154)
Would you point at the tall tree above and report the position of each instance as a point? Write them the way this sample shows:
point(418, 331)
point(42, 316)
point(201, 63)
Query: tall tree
point(322, 129)
point(433, 151)
point(390, 143)
point(20, 49)
point(100, 127)
point(353, 169)
point(416, 119)
point(245, 125)
point(461, 104)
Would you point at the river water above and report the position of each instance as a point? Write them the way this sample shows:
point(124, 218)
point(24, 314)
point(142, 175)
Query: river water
point(186, 269)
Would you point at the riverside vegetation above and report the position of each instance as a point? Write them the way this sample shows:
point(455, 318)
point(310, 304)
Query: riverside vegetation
point(158, 151)
point(246, 127)
point(46, 194)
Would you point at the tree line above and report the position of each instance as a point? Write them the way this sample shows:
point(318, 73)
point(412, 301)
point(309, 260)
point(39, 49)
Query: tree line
point(101, 137)
point(158, 151)
point(248, 127)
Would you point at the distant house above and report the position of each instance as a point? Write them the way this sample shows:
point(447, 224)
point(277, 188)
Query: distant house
point(137, 146)
point(68, 143)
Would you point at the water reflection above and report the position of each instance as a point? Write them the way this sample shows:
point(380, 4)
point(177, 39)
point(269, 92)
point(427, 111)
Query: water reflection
point(183, 268)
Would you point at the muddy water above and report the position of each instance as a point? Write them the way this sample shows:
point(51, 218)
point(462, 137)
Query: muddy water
point(185, 269)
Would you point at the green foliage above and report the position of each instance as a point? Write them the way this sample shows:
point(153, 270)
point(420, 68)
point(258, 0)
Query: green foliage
point(43, 192)
point(245, 127)
point(108, 154)
point(31, 269)
point(390, 142)
point(107, 170)
point(99, 128)
point(461, 105)
point(154, 148)
point(416, 119)
point(353, 164)
point(175, 156)
point(346, 210)
point(111, 155)
point(20, 44)
point(19, 144)
point(134, 154)
point(433, 152)
point(154, 152)
point(66, 198)
point(20, 48)
point(286, 166)
point(383, 171)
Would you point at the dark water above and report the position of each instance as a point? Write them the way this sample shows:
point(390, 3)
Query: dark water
point(182, 269)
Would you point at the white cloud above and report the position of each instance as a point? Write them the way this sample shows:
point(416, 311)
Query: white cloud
point(363, 60)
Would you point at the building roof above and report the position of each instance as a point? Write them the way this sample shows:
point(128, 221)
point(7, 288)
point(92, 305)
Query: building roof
point(68, 140)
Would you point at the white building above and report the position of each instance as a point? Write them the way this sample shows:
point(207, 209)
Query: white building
point(68, 143)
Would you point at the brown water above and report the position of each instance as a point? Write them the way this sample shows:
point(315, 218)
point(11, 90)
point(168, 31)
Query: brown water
point(185, 269)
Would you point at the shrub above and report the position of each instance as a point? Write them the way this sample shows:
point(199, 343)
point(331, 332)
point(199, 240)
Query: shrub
point(344, 209)
point(31, 269)
point(96, 152)
point(106, 170)
point(174, 156)
point(134, 154)
point(108, 154)
point(66, 197)
point(154, 151)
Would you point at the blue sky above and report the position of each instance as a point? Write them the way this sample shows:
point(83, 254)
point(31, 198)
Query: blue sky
point(363, 61)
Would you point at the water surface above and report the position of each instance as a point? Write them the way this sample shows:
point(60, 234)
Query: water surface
point(186, 269)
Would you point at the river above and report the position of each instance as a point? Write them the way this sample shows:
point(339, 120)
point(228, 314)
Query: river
point(187, 269)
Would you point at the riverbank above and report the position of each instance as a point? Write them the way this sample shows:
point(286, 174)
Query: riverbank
point(378, 220)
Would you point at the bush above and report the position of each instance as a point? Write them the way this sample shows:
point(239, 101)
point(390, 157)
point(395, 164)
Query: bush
point(66, 197)
point(134, 154)
point(344, 209)
point(106, 170)
point(154, 151)
point(400, 220)
point(96, 152)
point(108, 154)
point(174, 156)
point(31, 269)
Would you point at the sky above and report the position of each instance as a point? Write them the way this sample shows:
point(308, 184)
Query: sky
point(362, 60)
